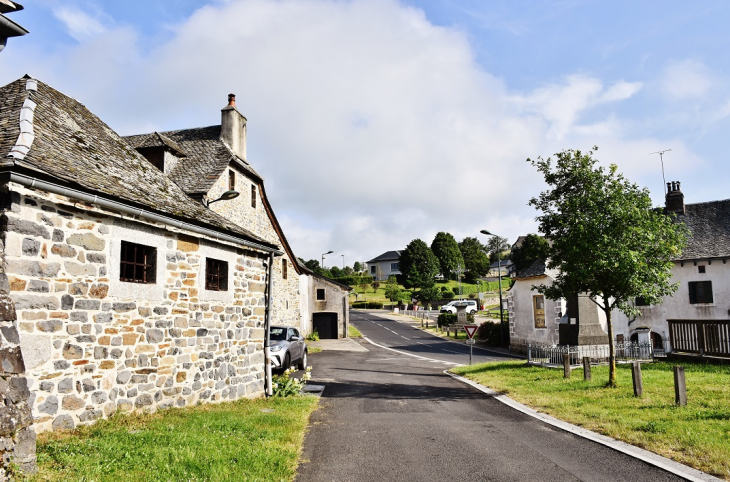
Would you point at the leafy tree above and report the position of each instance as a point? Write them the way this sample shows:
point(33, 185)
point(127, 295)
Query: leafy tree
point(347, 271)
point(392, 290)
point(475, 260)
point(419, 264)
point(497, 244)
point(376, 285)
point(533, 247)
point(446, 250)
point(357, 267)
point(336, 272)
point(312, 264)
point(607, 240)
point(429, 296)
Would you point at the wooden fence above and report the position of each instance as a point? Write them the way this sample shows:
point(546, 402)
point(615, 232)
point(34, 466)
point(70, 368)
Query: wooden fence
point(704, 337)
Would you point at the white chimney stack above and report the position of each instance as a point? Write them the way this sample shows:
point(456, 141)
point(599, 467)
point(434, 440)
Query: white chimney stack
point(233, 128)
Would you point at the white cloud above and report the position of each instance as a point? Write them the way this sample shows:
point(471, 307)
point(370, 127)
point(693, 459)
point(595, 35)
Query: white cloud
point(79, 24)
point(371, 125)
point(686, 79)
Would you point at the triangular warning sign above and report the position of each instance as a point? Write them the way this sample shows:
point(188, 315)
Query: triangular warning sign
point(470, 330)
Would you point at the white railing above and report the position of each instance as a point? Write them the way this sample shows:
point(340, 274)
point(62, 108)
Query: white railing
point(598, 354)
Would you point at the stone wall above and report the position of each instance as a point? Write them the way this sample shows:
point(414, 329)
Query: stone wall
point(286, 309)
point(93, 344)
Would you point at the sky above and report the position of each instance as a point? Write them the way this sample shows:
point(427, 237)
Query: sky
point(375, 122)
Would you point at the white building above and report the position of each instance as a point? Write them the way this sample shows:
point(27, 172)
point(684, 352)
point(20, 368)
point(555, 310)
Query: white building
point(385, 265)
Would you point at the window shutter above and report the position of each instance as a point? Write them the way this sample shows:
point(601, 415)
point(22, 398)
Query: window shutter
point(692, 293)
point(708, 292)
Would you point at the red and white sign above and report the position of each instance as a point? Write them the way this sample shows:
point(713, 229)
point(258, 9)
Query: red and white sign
point(471, 330)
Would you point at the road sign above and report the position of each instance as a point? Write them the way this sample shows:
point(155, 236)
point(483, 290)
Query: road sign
point(470, 341)
point(470, 330)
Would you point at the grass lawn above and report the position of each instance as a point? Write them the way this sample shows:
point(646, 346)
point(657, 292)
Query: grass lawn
point(354, 332)
point(242, 440)
point(697, 435)
point(379, 295)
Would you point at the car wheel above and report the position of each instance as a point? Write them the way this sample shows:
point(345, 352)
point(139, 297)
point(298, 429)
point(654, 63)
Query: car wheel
point(287, 362)
point(303, 362)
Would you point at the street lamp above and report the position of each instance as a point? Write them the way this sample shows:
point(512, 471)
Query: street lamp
point(499, 277)
point(343, 261)
point(325, 254)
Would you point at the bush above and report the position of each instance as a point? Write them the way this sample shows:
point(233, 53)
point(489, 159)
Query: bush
point(372, 305)
point(285, 386)
point(354, 280)
point(314, 336)
point(490, 333)
point(444, 288)
point(448, 295)
point(446, 319)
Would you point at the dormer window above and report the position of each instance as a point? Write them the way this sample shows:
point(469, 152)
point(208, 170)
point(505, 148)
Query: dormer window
point(253, 196)
point(156, 155)
point(231, 180)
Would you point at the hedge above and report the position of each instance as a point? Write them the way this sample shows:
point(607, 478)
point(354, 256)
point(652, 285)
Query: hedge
point(354, 280)
point(371, 305)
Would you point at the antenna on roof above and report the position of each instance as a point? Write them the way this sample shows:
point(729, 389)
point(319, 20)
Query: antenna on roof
point(661, 158)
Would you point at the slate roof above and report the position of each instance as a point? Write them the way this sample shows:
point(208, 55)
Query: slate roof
point(537, 268)
point(73, 145)
point(207, 157)
point(387, 256)
point(709, 226)
point(155, 139)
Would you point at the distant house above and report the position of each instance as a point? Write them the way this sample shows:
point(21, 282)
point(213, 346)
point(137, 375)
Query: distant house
point(506, 265)
point(385, 265)
point(324, 305)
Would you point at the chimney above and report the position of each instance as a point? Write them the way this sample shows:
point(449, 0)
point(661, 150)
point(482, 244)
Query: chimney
point(675, 198)
point(233, 128)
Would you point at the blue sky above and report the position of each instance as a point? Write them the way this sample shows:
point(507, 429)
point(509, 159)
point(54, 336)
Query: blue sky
point(377, 121)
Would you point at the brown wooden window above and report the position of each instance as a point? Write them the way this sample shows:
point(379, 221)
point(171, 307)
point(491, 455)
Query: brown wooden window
point(231, 180)
point(253, 196)
point(700, 292)
point(216, 275)
point(137, 263)
point(320, 294)
point(538, 304)
point(284, 269)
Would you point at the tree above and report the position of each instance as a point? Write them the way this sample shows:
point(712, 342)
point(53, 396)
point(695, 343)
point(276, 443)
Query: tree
point(312, 264)
point(447, 252)
point(419, 264)
point(392, 290)
point(607, 240)
point(357, 267)
point(429, 296)
point(476, 262)
point(533, 247)
point(336, 272)
point(497, 244)
point(347, 271)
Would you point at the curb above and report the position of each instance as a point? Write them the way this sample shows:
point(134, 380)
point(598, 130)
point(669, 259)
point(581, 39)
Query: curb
point(644, 455)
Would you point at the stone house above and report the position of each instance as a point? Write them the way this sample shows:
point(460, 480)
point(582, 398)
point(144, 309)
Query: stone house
point(384, 266)
point(325, 305)
point(124, 283)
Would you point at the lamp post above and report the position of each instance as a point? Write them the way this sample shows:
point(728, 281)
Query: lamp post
point(323, 255)
point(499, 277)
point(343, 261)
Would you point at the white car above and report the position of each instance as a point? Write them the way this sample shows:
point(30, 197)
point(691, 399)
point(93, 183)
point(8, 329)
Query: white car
point(471, 306)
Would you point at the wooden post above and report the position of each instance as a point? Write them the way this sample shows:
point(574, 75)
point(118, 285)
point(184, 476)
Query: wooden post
point(680, 388)
point(566, 365)
point(586, 368)
point(636, 376)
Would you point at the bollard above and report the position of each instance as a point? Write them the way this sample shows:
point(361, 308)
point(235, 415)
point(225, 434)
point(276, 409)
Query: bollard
point(680, 387)
point(586, 368)
point(529, 354)
point(566, 365)
point(636, 376)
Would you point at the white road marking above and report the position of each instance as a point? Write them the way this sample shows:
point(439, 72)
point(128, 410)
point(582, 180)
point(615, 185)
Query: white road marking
point(409, 354)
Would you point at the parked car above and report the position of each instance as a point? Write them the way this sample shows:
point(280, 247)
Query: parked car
point(471, 306)
point(287, 346)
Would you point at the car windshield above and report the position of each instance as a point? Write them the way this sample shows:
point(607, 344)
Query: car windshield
point(277, 334)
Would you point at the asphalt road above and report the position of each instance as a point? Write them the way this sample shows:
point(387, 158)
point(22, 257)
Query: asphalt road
point(386, 416)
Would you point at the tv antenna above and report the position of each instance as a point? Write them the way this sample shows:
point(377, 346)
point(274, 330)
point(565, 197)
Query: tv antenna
point(661, 158)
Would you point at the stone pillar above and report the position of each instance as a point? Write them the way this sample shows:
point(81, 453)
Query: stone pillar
point(17, 436)
point(590, 331)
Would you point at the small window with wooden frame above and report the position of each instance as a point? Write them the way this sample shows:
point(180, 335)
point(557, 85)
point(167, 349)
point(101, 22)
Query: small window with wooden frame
point(284, 268)
point(137, 263)
point(321, 294)
point(700, 292)
point(231, 180)
point(538, 303)
point(216, 275)
point(253, 196)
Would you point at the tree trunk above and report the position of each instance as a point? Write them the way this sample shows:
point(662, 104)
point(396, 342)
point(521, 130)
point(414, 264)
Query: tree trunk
point(611, 345)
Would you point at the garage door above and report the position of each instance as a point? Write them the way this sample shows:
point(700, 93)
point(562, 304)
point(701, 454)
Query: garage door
point(325, 324)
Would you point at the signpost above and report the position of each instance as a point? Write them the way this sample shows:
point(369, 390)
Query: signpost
point(470, 332)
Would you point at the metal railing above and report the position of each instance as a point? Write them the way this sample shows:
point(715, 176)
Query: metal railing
point(553, 354)
point(704, 337)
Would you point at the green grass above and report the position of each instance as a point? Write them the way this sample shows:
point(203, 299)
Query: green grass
point(233, 441)
point(697, 435)
point(313, 349)
point(354, 332)
point(466, 288)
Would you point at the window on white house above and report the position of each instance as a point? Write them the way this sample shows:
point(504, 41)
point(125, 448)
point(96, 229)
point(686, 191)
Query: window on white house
point(538, 304)
point(395, 266)
point(700, 292)
point(320, 294)
point(701, 269)
point(372, 270)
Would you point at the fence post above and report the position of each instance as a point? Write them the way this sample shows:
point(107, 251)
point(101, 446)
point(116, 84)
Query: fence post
point(636, 376)
point(680, 387)
point(586, 368)
point(566, 365)
point(529, 353)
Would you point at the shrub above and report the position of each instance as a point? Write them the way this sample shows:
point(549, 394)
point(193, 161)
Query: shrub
point(446, 319)
point(445, 288)
point(490, 333)
point(447, 295)
point(314, 336)
point(285, 386)
point(472, 295)
point(373, 305)
point(354, 280)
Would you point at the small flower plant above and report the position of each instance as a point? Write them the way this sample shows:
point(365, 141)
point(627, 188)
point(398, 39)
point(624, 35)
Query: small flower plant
point(285, 386)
